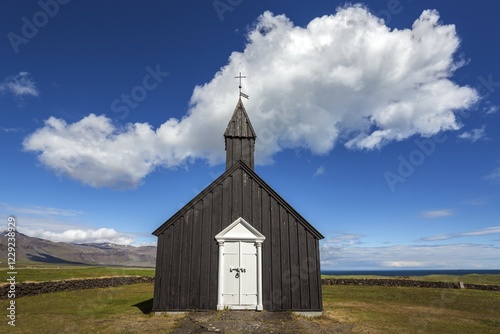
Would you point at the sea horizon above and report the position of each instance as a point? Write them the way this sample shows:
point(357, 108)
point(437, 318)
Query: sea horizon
point(410, 272)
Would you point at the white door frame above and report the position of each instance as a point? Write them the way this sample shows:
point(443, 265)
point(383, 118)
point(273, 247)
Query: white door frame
point(239, 230)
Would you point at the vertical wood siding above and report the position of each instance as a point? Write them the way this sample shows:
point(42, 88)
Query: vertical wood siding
point(187, 255)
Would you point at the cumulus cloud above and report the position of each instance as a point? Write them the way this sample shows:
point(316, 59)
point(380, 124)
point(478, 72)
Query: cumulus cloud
point(344, 78)
point(438, 213)
point(62, 225)
point(411, 257)
point(20, 85)
point(474, 135)
point(107, 235)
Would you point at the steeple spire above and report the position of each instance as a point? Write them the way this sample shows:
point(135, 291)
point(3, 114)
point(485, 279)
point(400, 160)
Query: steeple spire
point(239, 138)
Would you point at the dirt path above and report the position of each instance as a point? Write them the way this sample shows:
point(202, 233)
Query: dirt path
point(254, 322)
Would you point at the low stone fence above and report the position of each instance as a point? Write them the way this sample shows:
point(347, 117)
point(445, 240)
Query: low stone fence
point(36, 288)
point(406, 282)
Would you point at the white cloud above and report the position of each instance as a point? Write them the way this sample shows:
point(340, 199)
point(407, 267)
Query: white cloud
point(41, 210)
point(490, 110)
point(100, 235)
point(494, 176)
point(20, 85)
point(476, 202)
point(9, 130)
point(63, 225)
point(461, 256)
point(343, 240)
point(319, 171)
point(95, 152)
point(438, 213)
point(474, 135)
point(481, 232)
point(344, 78)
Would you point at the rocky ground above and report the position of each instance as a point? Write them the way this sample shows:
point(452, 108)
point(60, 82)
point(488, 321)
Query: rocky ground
point(256, 322)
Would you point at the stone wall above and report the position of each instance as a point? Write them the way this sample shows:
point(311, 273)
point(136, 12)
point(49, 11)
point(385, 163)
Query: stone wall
point(31, 289)
point(405, 282)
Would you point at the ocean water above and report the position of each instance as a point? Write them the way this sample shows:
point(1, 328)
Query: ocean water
point(408, 272)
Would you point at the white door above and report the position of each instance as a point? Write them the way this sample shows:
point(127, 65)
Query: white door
point(240, 275)
point(240, 267)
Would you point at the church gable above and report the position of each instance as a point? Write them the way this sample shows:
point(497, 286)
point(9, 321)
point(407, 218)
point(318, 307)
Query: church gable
point(248, 189)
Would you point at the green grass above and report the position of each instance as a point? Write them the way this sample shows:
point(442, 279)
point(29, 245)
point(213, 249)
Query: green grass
point(112, 310)
point(413, 310)
point(39, 274)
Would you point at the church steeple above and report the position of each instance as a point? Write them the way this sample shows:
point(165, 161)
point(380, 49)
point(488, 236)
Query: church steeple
point(239, 138)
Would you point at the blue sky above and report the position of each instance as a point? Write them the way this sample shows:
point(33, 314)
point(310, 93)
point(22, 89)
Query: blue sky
point(378, 122)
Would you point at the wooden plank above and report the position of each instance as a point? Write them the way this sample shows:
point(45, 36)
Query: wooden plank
point(304, 268)
point(318, 266)
point(246, 201)
point(167, 265)
point(229, 153)
point(294, 263)
point(314, 287)
point(286, 302)
point(247, 151)
point(175, 280)
point(216, 227)
point(158, 302)
point(186, 267)
point(267, 262)
point(206, 252)
point(226, 200)
point(196, 252)
point(236, 150)
point(236, 208)
point(256, 216)
point(276, 256)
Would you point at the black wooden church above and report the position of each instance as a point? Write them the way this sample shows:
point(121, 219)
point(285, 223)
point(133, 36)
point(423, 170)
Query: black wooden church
point(238, 244)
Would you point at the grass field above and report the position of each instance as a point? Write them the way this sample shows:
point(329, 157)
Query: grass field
point(371, 309)
point(413, 310)
point(51, 273)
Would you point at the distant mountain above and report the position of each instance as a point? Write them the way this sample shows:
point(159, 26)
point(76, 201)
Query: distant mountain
point(29, 249)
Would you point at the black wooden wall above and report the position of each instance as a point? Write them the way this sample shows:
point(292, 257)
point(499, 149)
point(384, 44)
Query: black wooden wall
point(187, 258)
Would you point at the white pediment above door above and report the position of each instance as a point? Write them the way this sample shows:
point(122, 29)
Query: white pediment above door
point(240, 229)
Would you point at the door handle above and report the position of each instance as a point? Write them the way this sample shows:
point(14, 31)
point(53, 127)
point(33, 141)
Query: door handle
point(237, 269)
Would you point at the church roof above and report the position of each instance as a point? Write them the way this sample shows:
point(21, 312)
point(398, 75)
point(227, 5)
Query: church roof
point(227, 174)
point(239, 126)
